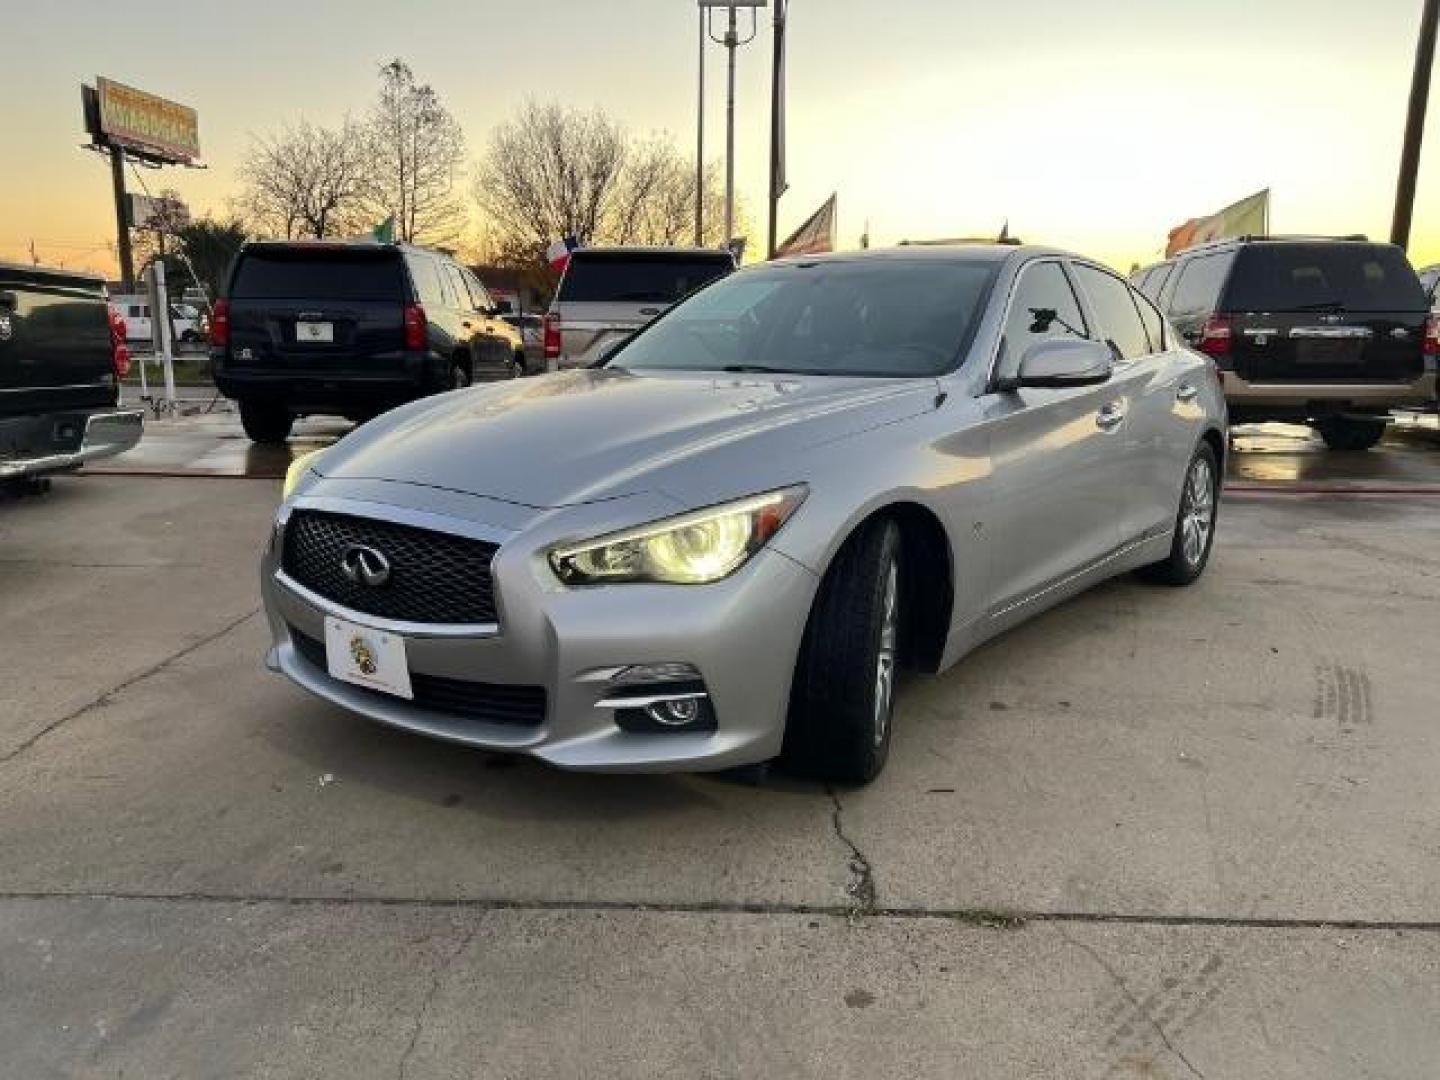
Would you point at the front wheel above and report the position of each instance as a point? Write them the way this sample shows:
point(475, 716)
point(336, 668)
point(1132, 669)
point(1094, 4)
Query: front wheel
point(1344, 434)
point(1194, 523)
point(843, 697)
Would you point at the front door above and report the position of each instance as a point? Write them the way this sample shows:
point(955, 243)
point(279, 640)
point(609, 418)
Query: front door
point(1052, 451)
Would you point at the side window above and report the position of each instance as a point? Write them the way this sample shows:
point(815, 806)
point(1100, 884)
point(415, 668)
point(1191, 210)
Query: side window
point(1154, 324)
point(461, 291)
point(482, 298)
point(1042, 306)
point(1197, 287)
point(1156, 281)
point(1120, 323)
point(426, 274)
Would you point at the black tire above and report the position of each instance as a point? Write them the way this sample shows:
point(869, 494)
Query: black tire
point(841, 705)
point(265, 423)
point(1187, 560)
point(517, 366)
point(459, 375)
point(1346, 434)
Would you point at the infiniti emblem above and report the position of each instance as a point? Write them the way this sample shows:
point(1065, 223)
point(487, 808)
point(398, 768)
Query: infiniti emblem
point(363, 564)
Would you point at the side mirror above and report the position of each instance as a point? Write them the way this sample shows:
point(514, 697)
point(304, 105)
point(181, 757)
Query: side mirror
point(503, 307)
point(1060, 362)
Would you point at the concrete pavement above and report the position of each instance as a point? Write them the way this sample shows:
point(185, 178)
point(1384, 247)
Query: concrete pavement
point(1113, 843)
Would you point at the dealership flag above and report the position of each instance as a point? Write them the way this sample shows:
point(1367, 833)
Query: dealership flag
point(558, 253)
point(816, 235)
point(1249, 216)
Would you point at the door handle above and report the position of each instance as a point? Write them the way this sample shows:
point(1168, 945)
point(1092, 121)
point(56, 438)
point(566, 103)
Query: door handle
point(1110, 415)
point(1186, 392)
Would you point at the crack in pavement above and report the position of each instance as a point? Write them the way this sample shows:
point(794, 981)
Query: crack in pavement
point(436, 978)
point(125, 684)
point(861, 887)
point(1135, 1003)
point(981, 918)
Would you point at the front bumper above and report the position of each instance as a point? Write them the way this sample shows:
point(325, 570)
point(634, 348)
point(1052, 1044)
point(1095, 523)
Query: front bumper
point(742, 635)
point(63, 441)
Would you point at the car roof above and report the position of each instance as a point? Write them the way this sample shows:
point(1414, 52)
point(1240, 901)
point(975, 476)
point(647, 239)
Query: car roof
point(341, 245)
point(640, 249)
point(932, 253)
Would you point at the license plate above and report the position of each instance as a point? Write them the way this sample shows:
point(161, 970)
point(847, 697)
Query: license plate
point(367, 657)
point(314, 331)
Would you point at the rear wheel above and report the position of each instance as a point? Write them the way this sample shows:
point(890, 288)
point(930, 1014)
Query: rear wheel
point(459, 375)
point(1342, 433)
point(1194, 523)
point(265, 423)
point(517, 365)
point(843, 697)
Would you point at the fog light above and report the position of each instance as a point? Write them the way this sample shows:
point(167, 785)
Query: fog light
point(675, 713)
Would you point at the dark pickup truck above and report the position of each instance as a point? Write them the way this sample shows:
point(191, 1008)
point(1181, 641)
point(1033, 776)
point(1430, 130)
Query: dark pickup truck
point(60, 351)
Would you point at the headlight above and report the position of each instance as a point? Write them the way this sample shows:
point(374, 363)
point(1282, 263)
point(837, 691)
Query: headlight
point(692, 549)
point(297, 469)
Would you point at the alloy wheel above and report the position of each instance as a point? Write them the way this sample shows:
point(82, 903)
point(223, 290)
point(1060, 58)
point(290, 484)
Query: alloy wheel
point(1197, 516)
point(885, 655)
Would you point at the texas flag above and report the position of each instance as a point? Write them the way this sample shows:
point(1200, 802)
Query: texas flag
point(558, 253)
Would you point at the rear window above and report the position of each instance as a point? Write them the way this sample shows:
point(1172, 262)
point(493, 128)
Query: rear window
point(303, 275)
point(1357, 277)
point(628, 278)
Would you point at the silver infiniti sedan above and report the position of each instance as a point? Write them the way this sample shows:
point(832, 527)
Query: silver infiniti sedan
point(720, 546)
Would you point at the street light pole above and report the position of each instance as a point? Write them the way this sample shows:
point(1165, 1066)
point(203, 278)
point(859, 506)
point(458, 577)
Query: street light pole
point(700, 141)
point(1414, 125)
point(777, 126)
point(731, 41)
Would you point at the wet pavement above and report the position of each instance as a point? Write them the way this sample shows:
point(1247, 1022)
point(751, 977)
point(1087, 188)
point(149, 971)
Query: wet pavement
point(1266, 457)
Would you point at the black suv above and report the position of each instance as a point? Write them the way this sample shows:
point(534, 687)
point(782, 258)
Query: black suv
point(351, 329)
point(1328, 332)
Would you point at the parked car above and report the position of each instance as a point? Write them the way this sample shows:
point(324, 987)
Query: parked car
point(1327, 332)
point(187, 321)
point(1430, 282)
point(608, 293)
point(62, 355)
point(719, 546)
point(351, 329)
point(531, 329)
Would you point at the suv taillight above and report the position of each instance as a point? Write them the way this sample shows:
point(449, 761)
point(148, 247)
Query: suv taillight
point(1432, 336)
point(1215, 337)
point(220, 324)
point(119, 351)
point(552, 336)
point(415, 326)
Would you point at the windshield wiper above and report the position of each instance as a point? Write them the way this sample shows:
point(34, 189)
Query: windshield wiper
point(1320, 305)
point(757, 369)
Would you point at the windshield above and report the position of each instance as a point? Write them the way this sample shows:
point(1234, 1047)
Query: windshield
point(862, 318)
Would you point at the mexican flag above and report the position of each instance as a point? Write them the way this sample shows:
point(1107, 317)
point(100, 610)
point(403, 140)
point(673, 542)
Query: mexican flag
point(1248, 217)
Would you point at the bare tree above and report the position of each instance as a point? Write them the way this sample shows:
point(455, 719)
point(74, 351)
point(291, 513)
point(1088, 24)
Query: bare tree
point(551, 172)
point(307, 182)
point(417, 148)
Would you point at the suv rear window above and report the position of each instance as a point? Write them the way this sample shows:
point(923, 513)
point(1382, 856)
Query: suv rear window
point(625, 278)
point(1290, 277)
point(329, 275)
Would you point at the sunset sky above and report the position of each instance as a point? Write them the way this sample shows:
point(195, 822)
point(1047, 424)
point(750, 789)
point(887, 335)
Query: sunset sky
point(1091, 125)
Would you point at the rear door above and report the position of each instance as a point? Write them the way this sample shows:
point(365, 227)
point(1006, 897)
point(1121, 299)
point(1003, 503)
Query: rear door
point(606, 296)
point(319, 309)
point(1322, 312)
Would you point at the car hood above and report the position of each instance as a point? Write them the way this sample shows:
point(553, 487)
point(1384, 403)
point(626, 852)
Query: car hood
point(593, 434)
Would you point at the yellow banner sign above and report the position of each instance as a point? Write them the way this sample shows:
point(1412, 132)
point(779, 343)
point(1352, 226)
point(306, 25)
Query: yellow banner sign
point(134, 118)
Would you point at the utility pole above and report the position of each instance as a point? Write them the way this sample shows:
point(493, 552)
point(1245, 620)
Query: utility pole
point(34, 259)
point(777, 126)
point(731, 40)
point(700, 141)
point(122, 225)
point(1414, 125)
